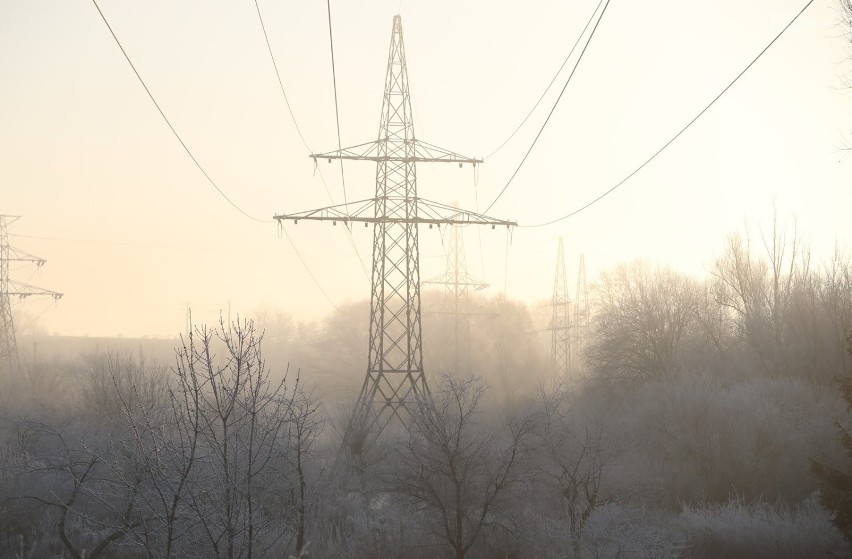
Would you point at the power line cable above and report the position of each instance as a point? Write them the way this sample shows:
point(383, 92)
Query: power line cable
point(280, 82)
point(197, 164)
point(168, 122)
point(240, 250)
point(308, 269)
point(682, 130)
point(148, 245)
point(286, 99)
point(301, 136)
point(527, 117)
point(336, 108)
point(478, 229)
point(552, 81)
point(555, 104)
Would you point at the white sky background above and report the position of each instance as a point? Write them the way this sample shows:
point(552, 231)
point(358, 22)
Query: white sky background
point(84, 155)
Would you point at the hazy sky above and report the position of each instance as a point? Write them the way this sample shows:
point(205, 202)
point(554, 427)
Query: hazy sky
point(85, 157)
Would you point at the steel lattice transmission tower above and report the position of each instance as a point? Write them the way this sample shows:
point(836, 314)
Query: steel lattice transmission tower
point(10, 288)
point(560, 321)
point(395, 384)
point(457, 283)
point(581, 326)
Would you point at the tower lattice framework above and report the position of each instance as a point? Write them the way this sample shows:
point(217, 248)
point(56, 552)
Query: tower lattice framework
point(581, 324)
point(560, 320)
point(395, 385)
point(457, 283)
point(10, 288)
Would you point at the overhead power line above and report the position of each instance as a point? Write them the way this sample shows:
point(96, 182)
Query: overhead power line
point(304, 142)
point(158, 246)
point(336, 108)
point(552, 81)
point(308, 269)
point(197, 164)
point(681, 131)
point(280, 82)
point(546, 120)
point(168, 122)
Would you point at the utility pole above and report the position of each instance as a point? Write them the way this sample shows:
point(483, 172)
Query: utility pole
point(395, 385)
point(10, 288)
point(457, 282)
point(560, 321)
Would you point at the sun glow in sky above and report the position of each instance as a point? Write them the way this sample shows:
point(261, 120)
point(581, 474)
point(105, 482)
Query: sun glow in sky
point(135, 234)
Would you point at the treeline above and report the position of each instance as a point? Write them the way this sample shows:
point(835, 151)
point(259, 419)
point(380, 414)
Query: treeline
point(689, 428)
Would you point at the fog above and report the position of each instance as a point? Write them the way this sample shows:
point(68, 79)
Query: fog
point(698, 419)
point(195, 392)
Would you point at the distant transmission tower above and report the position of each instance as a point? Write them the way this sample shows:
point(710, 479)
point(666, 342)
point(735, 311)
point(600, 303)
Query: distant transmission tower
point(581, 327)
point(10, 288)
point(560, 321)
point(395, 385)
point(457, 284)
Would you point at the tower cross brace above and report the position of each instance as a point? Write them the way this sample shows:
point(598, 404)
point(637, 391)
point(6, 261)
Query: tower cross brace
point(395, 385)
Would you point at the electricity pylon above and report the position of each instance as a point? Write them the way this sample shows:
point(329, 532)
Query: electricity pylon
point(560, 321)
point(581, 326)
point(395, 385)
point(457, 283)
point(10, 288)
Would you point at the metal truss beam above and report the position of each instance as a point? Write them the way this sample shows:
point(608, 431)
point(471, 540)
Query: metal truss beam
point(407, 151)
point(428, 213)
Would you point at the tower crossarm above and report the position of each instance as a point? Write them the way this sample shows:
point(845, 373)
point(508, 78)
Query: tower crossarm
point(364, 211)
point(406, 151)
point(461, 279)
point(18, 255)
point(24, 290)
point(444, 214)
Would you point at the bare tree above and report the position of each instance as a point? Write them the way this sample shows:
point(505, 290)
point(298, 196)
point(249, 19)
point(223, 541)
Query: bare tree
point(835, 296)
point(303, 430)
point(166, 443)
point(455, 473)
point(75, 479)
point(220, 451)
point(573, 461)
point(789, 319)
point(234, 419)
point(836, 483)
point(846, 23)
point(109, 382)
point(641, 315)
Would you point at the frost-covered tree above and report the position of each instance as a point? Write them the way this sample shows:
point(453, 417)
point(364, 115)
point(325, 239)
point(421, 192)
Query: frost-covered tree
point(642, 313)
point(213, 460)
point(573, 458)
point(457, 473)
point(836, 483)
